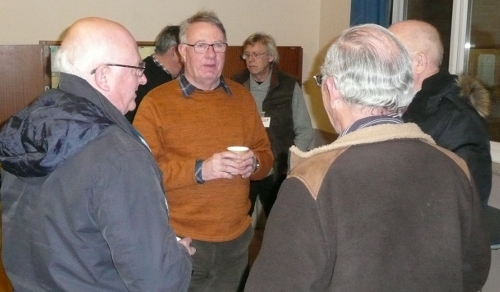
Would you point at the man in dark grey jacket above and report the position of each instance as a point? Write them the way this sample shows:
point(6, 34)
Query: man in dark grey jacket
point(83, 203)
point(383, 208)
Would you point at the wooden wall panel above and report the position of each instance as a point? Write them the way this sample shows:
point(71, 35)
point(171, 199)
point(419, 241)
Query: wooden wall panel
point(21, 77)
point(290, 59)
point(25, 71)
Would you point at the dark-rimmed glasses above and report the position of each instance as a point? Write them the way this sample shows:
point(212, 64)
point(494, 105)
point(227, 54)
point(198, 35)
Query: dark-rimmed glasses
point(201, 48)
point(139, 70)
point(319, 79)
point(255, 55)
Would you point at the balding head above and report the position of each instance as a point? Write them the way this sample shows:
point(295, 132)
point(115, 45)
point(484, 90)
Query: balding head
point(92, 41)
point(105, 54)
point(419, 36)
point(423, 42)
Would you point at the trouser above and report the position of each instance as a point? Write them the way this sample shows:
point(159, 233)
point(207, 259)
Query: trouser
point(267, 191)
point(219, 266)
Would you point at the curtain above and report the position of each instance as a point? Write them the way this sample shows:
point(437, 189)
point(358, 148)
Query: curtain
point(371, 11)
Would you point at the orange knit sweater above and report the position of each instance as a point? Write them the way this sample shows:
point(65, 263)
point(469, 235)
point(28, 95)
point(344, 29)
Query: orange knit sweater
point(180, 130)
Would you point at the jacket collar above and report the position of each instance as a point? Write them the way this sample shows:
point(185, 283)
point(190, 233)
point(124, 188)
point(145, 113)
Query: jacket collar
point(369, 135)
point(79, 87)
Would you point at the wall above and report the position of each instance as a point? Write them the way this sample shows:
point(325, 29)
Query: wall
point(307, 23)
point(485, 24)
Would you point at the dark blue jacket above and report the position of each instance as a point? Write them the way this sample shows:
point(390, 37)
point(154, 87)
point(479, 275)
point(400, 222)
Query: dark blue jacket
point(83, 203)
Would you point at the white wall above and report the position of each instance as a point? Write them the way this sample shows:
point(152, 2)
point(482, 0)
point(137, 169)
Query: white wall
point(310, 24)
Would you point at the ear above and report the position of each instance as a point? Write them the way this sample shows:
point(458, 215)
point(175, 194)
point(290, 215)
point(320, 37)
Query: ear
point(270, 58)
point(419, 63)
point(172, 52)
point(101, 77)
point(182, 52)
point(333, 93)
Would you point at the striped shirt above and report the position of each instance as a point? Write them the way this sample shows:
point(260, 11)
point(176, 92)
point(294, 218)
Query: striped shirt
point(372, 121)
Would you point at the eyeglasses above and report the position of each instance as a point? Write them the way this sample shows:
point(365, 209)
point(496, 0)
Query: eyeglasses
point(202, 48)
point(139, 70)
point(255, 55)
point(319, 79)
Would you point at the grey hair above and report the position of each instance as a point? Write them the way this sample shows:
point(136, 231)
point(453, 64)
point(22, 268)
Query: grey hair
point(371, 68)
point(267, 41)
point(166, 39)
point(201, 16)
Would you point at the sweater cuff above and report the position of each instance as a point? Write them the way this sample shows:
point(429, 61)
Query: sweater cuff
point(197, 171)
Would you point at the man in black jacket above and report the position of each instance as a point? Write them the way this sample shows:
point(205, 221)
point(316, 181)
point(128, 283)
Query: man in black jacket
point(162, 66)
point(451, 109)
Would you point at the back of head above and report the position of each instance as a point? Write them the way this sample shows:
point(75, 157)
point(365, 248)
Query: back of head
point(420, 37)
point(267, 41)
point(90, 42)
point(201, 16)
point(371, 68)
point(167, 38)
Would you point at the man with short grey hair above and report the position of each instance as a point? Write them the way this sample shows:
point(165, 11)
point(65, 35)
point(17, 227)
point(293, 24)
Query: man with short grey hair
point(382, 208)
point(189, 124)
point(162, 66)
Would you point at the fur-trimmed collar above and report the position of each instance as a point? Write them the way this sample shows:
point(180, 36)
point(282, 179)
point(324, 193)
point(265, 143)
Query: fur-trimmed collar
point(476, 94)
point(373, 134)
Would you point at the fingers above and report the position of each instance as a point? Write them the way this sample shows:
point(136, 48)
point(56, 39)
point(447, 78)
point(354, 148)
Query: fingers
point(186, 241)
point(227, 165)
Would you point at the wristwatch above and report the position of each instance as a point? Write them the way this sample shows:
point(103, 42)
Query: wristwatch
point(256, 165)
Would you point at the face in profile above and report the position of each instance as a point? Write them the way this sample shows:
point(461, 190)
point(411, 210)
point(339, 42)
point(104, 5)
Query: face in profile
point(125, 81)
point(258, 60)
point(203, 70)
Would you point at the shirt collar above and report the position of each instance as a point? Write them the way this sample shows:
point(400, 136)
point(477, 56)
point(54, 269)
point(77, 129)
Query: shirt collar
point(187, 88)
point(160, 65)
point(372, 121)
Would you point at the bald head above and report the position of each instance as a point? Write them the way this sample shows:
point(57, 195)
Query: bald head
point(105, 54)
point(419, 36)
point(424, 45)
point(92, 41)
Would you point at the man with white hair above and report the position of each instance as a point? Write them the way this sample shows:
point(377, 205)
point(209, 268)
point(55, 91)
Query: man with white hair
point(371, 209)
point(83, 203)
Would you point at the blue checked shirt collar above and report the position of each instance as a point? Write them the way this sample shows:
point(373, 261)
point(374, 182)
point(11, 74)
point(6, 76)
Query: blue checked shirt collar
point(372, 121)
point(187, 88)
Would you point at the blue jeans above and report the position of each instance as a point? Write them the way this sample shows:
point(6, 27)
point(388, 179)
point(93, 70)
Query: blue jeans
point(219, 266)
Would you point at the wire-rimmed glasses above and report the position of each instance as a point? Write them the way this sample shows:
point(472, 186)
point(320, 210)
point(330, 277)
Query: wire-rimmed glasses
point(139, 70)
point(319, 79)
point(202, 48)
point(255, 55)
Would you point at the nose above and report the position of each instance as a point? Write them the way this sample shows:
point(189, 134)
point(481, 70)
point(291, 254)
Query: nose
point(211, 51)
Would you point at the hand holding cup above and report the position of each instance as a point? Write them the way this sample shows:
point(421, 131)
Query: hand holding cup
point(246, 159)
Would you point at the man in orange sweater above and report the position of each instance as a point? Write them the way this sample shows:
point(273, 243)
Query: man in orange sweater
point(188, 124)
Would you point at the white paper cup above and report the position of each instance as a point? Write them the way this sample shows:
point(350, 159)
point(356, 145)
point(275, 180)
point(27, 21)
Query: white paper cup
point(240, 150)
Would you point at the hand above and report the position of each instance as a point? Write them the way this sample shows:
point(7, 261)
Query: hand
point(186, 241)
point(221, 165)
point(247, 164)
